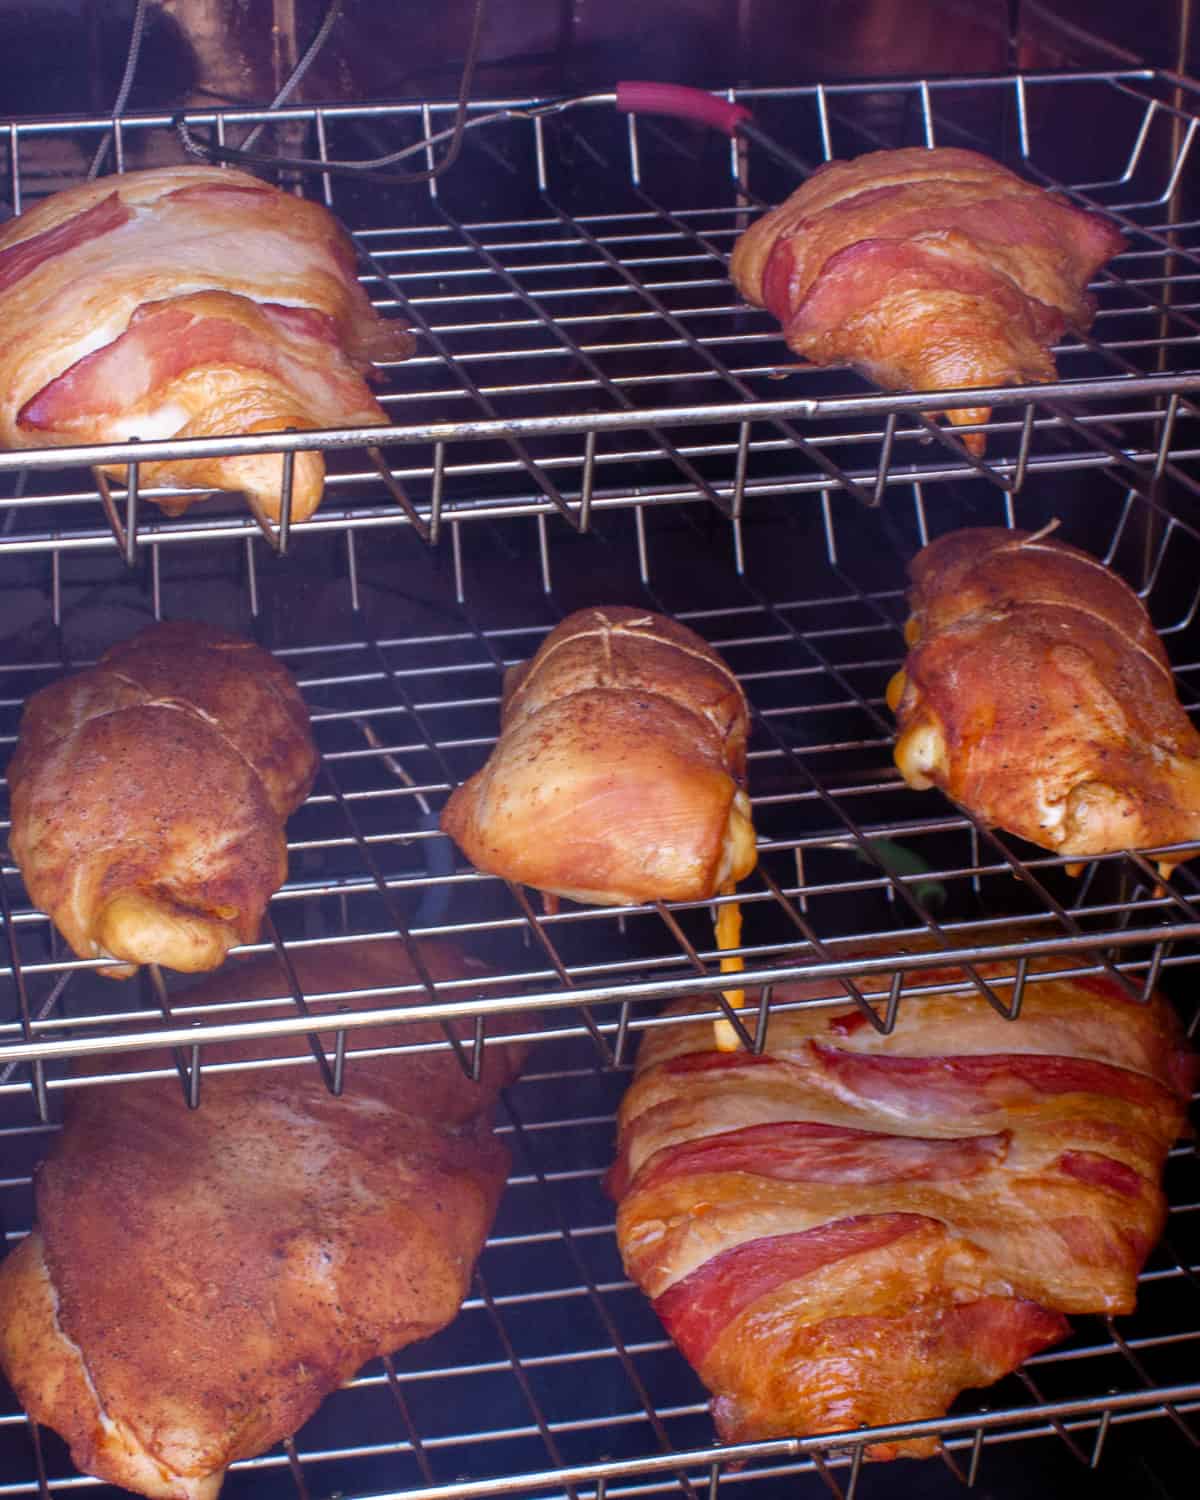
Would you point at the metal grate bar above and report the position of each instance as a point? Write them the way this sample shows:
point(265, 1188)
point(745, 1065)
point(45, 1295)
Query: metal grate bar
point(468, 1064)
point(703, 351)
point(582, 356)
point(544, 484)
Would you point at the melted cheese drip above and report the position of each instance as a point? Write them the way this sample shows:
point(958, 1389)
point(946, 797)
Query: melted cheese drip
point(728, 928)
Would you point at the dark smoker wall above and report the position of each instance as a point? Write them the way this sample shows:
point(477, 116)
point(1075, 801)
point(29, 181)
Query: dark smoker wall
point(63, 55)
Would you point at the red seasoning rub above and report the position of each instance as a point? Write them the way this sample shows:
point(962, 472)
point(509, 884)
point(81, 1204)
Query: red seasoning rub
point(200, 1280)
point(852, 1228)
point(149, 796)
point(187, 302)
point(927, 270)
point(1037, 694)
point(619, 772)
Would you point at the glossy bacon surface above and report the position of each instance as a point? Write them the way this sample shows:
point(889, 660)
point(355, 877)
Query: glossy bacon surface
point(187, 302)
point(853, 1227)
point(927, 270)
point(149, 796)
point(200, 1280)
point(618, 775)
point(1038, 695)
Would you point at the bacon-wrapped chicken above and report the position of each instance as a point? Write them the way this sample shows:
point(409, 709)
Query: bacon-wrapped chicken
point(187, 302)
point(927, 270)
point(851, 1228)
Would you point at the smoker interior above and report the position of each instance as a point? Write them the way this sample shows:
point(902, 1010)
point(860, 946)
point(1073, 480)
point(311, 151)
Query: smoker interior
point(593, 417)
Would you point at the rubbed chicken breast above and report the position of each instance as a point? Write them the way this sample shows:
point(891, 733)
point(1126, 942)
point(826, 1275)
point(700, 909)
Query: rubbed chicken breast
point(1037, 694)
point(149, 795)
point(200, 1280)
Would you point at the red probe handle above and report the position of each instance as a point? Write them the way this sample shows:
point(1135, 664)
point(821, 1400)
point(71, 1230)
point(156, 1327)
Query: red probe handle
point(682, 102)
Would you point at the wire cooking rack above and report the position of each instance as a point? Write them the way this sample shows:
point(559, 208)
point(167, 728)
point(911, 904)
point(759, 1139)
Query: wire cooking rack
point(582, 348)
point(593, 417)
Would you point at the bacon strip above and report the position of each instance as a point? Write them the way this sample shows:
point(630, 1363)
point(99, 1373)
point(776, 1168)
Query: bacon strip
point(695, 1310)
point(220, 195)
point(1102, 1171)
point(211, 193)
point(931, 1087)
point(896, 216)
point(165, 340)
point(304, 322)
point(702, 1062)
point(805, 1151)
point(1004, 1331)
point(26, 255)
point(1096, 1242)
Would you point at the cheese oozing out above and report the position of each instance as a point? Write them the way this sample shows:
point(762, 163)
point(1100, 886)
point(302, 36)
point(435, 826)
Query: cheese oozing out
point(739, 852)
point(920, 754)
point(728, 929)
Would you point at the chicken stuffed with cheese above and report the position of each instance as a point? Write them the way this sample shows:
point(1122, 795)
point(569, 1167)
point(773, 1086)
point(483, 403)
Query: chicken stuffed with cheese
point(619, 773)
